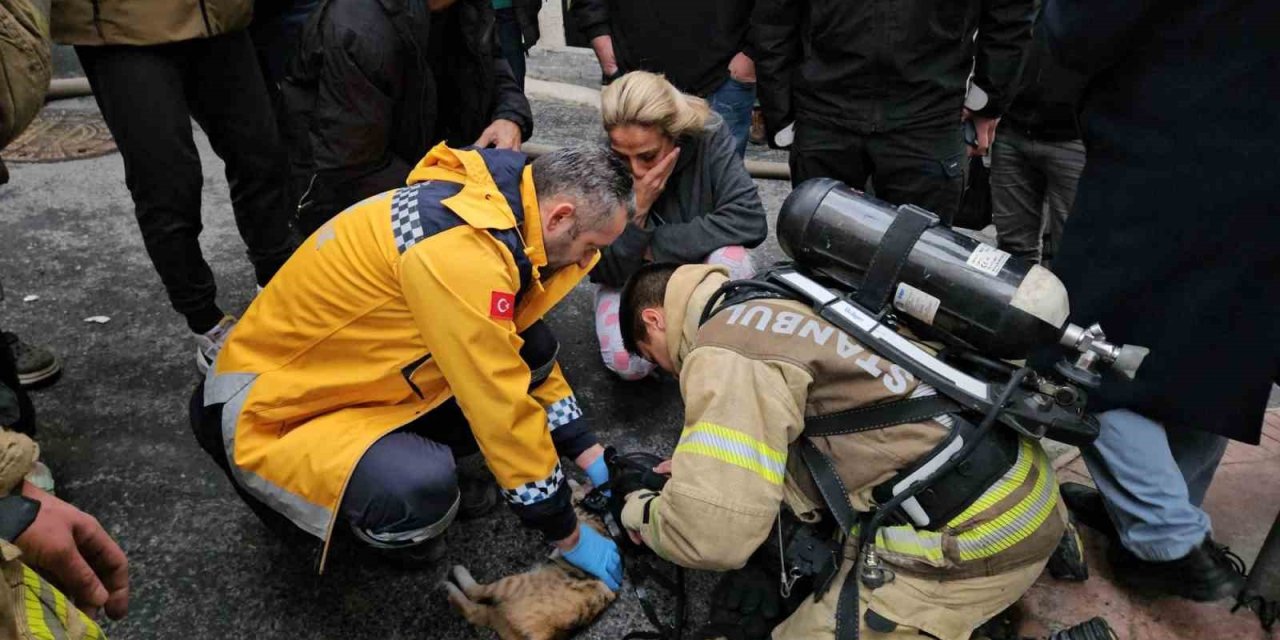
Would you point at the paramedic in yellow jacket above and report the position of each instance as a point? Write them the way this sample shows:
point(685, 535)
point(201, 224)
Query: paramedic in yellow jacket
point(404, 327)
point(749, 377)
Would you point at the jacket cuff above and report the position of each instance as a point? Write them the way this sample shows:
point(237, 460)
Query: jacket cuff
point(553, 516)
point(596, 30)
point(16, 514)
point(980, 102)
point(521, 119)
point(635, 512)
point(572, 437)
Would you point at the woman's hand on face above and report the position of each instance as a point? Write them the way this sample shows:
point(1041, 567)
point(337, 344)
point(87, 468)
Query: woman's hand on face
point(649, 186)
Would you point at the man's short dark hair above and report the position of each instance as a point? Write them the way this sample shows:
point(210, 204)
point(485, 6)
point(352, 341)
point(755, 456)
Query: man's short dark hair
point(645, 289)
point(591, 175)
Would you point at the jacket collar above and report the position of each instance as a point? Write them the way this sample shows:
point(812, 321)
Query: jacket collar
point(688, 291)
point(481, 202)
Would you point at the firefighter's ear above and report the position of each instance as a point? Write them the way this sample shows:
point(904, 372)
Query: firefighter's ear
point(655, 319)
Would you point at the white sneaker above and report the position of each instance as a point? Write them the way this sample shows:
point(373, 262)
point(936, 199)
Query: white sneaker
point(210, 343)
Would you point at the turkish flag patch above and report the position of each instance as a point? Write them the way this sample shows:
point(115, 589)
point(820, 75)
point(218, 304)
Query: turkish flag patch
point(502, 305)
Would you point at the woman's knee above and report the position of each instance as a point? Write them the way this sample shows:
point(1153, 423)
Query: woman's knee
point(736, 258)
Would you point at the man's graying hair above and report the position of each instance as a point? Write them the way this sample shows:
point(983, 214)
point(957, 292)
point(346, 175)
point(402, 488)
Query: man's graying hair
point(592, 176)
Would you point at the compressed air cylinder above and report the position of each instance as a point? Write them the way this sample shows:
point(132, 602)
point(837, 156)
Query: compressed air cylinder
point(951, 287)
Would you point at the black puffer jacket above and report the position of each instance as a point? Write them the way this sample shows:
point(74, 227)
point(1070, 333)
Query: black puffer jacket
point(879, 65)
point(376, 83)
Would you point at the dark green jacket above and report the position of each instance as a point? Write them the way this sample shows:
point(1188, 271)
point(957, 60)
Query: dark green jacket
point(878, 65)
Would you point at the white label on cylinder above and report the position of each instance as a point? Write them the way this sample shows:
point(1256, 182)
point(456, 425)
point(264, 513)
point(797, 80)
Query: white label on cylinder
point(987, 259)
point(915, 303)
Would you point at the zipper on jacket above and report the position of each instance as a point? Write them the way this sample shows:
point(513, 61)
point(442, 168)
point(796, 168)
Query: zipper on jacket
point(204, 13)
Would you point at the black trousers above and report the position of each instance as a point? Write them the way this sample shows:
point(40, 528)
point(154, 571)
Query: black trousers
point(26, 422)
point(148, 96)
point(921, 166)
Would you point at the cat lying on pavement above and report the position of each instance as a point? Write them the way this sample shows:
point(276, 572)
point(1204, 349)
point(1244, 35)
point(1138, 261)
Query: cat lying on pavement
point(547, 602)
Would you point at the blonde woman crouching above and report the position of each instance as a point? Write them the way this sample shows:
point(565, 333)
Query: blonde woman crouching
point(694, 200)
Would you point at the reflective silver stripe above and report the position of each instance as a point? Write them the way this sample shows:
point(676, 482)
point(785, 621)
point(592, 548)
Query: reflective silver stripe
point(742, 447)
point(402, 539)
point(562, 412)
point(1028, 515)
point(905, 540)
point(232, 389)
point(50, 613)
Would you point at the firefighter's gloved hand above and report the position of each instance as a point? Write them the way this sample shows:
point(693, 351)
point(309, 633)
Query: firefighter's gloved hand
point(597, 555)
point(748, 599)
point(598, 471)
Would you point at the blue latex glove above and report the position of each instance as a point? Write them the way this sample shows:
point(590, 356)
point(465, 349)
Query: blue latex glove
point(598, 471)
point(597, 555)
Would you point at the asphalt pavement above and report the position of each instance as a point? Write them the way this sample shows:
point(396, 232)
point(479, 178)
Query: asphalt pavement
point(115, 431)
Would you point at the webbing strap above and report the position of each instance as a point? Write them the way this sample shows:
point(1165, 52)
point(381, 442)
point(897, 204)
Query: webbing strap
point(879, 416)
point(829, 484)
point(891, 254)
point(847, 619)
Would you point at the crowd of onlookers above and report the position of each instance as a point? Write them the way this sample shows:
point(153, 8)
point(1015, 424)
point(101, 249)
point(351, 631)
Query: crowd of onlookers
point(315, 105)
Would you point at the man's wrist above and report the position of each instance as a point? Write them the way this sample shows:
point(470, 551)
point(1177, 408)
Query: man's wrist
point(589, 456)
point(569, 543)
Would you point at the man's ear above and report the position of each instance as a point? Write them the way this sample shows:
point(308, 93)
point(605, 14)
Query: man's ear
point(655, 319)
point(561, 216)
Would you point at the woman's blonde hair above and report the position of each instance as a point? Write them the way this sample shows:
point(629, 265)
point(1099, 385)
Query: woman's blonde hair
point(647, 99)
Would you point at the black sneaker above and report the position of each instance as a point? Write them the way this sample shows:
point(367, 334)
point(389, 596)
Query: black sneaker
point(1068, 561)
point(1093, 629)
point(35, 364)
point(1209, 573)
point(1085, 503)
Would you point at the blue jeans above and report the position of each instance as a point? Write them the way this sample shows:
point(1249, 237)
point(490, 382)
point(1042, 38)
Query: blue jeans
point(1153, 480)
point(734, 100)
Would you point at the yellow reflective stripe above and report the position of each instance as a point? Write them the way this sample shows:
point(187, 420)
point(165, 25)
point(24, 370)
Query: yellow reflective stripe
point(1016, 524)
point(1003, 488)
point(34, 606)
point(1002, 532)
point(906, 540)
point(60, 608)
point(736, 448)
point(91, 630)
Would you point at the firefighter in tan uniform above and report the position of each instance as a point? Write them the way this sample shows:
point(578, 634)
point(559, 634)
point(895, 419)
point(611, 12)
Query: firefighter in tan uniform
point(749, 377)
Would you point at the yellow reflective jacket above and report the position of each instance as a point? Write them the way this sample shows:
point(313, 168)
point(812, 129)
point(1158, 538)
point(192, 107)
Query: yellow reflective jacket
point(387, 311)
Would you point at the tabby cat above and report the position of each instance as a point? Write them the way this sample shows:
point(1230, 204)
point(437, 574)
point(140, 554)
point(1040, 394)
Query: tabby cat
point(545, 603)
